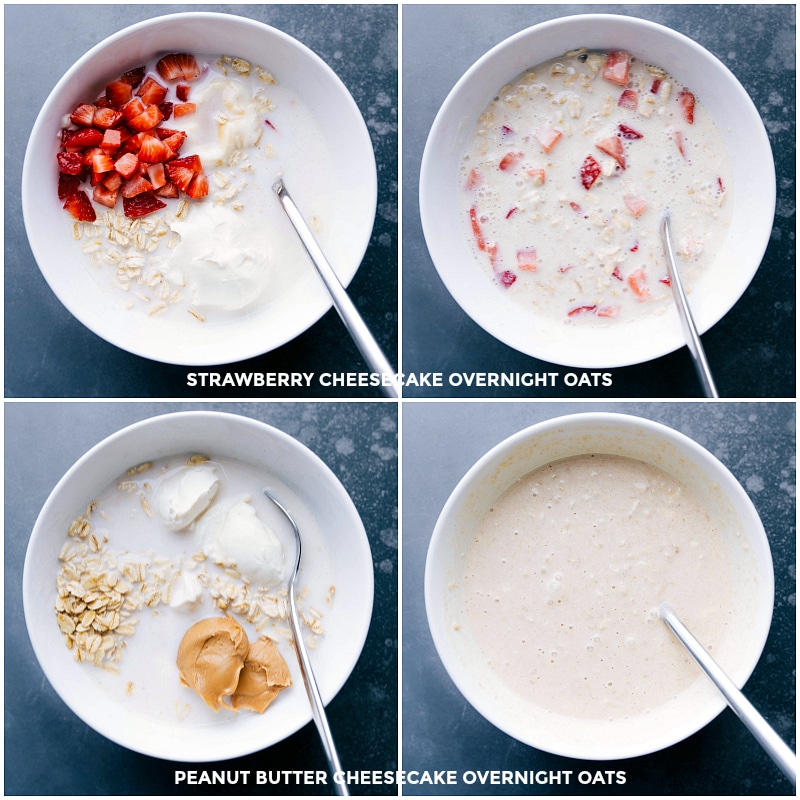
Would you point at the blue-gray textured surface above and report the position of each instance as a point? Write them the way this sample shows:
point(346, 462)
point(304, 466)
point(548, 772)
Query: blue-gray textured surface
point(752, 350)
point(48, 352)
point(49, 751)
point(756, 441)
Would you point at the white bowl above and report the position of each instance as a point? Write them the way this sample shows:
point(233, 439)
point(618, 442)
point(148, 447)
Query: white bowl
point(515, 457)
point(721, 284)
point(352, 209)
point(312, 493)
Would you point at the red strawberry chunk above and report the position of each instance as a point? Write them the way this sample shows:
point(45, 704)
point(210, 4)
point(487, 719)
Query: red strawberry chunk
point(67, 185)
point(681, 143)
point(617, 67)
point(474, 179)
point(665, 280)
point(152, 92)
point(168, 190)
point(136, 185)
point(629, 99)
point(153, 150)
point(141, 205)
point(686, 100)
point(547, 137)
point(133, 77)
point(617, 273)
point(198, 187)
point(70, 163)
point(175, 141)
point(113, 180)
point(582, 310)
point(575, 207)
point(655, 86)
point(507, 278)
point(148, 119)
point(83, 115)
point(177, 66)
point(590, 172)
point(473, 217)
point(106, 117)
point(166, 109)
point(636, 205)
point(511, 211)
point(613, 147)
point(133, 108)
point(608, 311)
point(537, 175)
point(510, 160)
point(637, 280)
point(157, 175)
point(182, 109)
point(182, 92)
point(527, 259)
point(104, 196)
point(626, 132)
point(101, 162)
point(112, 139)
point(118, 93)
point(85, 137)
point(79, 205)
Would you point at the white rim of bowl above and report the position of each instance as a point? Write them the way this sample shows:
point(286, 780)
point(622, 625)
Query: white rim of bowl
point(432, 592)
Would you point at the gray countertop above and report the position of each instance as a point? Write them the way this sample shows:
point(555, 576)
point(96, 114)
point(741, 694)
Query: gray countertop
point(49, 751)
point(751, 350)
point(48, 352)
point(441, 731)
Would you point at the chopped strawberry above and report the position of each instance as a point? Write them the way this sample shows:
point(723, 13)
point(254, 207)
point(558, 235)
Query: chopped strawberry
point(112, 139)
point(79, 205)
point(681, 143)
point(473, 216)
point(629, 99)
point(178, 65)
point(656, 85)
point(590, 172)
point(474, 179)
point(665, 280)
point(102, 102)
point(513, 210)
point(510, 160)
point(67, 185)
point(166, 108)
point(70, 163)
point(182, 92)
point(157, 175)
point(141, 205)
point(164, 133)
point(85, 137)
point(168, 190)
point(537, 175)
point(133, 143)
point(636, 205)
point(491, 250)
point(182, 171)
point(527, 259)
point(269, 124)
point(547, 137)
point(613, 147)
point(175, 141)
point(133, 108)
point(686, 100)
point(617, 67)
point(83, 115)
point(106, 117)
point(148, 119)
point(637, 280)
point(153, 150)
point(136, 185)
point(101, 162)
point(113, 180)
point(104, 196)
point(608, 311)
point(133, 77)
point(626, 132)
point(617, 273)
point(575, 207)
point(634, 248)
point(182, 109)
point(721, 186)
point(566, 268)
point(198, 187)
point(582, 310)
point(118, 93)
point(507, 278)
point(152, 92)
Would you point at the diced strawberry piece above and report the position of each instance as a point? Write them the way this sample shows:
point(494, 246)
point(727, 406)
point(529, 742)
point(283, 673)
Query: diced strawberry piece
point(629, 99)
point(566, 267)
point(198, 187)
point(537, 176)
point(70, 163)
point(174, 142)
point(686, 100)
point(507, 278)
point(85, 137)
point(133, 77)
point(67, 185)
point(590, 172)
point(83, 115)
point(106, 117)
point(575, 207)
point(141, 205)
point(637, 280)
point(182, 170)
point(679, 140)
point(617, 273)
point(634, 248)
point(527, 259)
point(168, 190)
point(665, 280)
point(656, 85)
point(102, 102)
point(133, 108)
point(152, 92)
point(148, 119)
point(473, 216)
point(269, 124)
point(88, 155)
point(136, 185)
point(102, 162)
point(582, 310)
point(510, 160)
point(112, 139)
point(513, 210)
point(626, 132)
point(608, 311)
point(118, 93)
point(636, 205)
point(79, 205)
point(104, 196)
point(613, 147)
point(113, 180)
point(506, 132)
point(166, 108)
point(133, 143)
point(474, 179)
point(178, 65)
point(66, 133)
point(547, 137)
point(491, 250)
point(157, 175)
point(182, 109)
point(182, 92)
point(617, 67)
point(153, 150)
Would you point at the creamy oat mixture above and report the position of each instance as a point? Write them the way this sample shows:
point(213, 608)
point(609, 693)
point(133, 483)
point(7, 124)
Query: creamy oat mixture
point(568, 174)
point(565, 575)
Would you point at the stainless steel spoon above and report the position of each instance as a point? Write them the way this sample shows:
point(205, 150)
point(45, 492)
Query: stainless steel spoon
point(685, 313)
point(312, 690)
point(356, 327)
point(777, 749)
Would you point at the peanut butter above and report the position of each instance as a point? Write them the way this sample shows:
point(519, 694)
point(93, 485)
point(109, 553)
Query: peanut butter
point(264, 676)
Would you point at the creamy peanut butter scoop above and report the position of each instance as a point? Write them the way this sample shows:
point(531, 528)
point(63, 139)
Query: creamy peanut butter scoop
point(211, 656)
point(264, 676)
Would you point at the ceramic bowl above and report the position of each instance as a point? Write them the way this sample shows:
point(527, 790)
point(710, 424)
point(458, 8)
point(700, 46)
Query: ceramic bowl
point(720, 286)
point(335, 552)
point(562, 437)
point(245, 335)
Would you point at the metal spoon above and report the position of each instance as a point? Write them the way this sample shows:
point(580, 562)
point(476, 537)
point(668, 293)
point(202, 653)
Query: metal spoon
point(356, 327)
point(685, 313)
point(312, 690)
point(777, 749)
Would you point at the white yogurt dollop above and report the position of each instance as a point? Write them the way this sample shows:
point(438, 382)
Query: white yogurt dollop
point(185, 593)
point(184, 495)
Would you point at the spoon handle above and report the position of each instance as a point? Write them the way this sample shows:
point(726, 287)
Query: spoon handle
point(356, 327)
point(766, 736)
point(685, 313)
